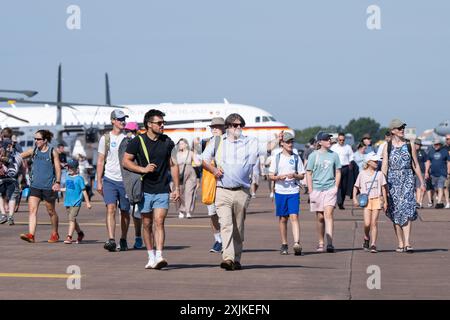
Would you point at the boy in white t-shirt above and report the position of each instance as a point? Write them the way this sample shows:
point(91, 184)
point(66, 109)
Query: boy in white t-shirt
point(286, 169)
point(371, 178)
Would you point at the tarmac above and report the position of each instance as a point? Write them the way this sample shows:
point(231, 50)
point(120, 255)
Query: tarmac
point(43, 270)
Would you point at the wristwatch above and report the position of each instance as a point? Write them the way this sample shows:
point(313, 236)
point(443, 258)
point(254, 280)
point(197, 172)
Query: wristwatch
point(58, 182)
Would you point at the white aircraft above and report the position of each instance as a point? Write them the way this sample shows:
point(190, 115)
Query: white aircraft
point(443, 128)
point(86, 122)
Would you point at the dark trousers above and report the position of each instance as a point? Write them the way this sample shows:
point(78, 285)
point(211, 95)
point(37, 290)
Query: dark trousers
point(343, 185)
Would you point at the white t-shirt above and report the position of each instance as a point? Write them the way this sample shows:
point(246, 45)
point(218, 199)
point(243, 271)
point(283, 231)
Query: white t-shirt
point(345, 153)
point(112, 170)
point(286, 166)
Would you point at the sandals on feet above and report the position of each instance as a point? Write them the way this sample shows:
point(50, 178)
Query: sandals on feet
point(320, 248)
point(400, 249)
point(409, 249)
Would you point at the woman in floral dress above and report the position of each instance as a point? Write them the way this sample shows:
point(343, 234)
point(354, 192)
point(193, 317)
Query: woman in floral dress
point(398, 168)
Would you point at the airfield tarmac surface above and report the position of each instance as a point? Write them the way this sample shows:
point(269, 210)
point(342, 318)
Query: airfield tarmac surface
point(39, 270)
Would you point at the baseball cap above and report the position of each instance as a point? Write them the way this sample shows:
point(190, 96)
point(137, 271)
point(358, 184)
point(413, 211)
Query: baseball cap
point(132, 126)
point(118, 114)
point(323, 136)
point(396, 123)
point(287, 136)
point(372, 157)
point(73, 164)
point(366, 136)
point(418, 141)
point(218, 121)
point(437, 141)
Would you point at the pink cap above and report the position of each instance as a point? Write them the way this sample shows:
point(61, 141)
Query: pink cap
point(132, 126)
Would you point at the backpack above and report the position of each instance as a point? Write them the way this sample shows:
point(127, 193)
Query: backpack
point(131, 180)
point(107, 143)
point(209, 181)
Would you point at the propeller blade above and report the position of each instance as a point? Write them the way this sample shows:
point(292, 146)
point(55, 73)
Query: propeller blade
point(13, 116)
point(28, 93)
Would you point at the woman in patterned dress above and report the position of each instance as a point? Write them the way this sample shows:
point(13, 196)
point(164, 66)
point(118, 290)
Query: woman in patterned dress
point(398, 168)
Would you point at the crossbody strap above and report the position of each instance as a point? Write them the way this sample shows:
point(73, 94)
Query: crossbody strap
point(371, 185)
point(144, 148)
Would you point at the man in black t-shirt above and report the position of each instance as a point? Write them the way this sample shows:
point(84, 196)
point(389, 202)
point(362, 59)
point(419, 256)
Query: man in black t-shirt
point(156, 181)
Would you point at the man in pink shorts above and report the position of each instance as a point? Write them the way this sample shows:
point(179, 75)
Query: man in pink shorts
point(323, 174)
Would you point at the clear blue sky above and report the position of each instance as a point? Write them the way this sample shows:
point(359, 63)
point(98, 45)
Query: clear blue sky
point(307, 62)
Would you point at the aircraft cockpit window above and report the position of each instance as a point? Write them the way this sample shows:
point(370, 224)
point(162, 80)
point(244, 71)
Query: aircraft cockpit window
point(272, 118)
point(265, 119)
point(258, 119)
point(22, 143)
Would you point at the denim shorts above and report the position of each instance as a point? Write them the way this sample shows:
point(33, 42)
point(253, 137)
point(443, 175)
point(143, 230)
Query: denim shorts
point(438, 182)
point(114, 191)
point(153, 201)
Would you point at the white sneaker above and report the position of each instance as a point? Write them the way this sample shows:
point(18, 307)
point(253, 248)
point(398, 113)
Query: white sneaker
point(271, 195)
point(160, 263)
point(188, 215)
point(447, 206)
point(150, 264)
point(430, 205)
point(253, 196)
point(181, 216)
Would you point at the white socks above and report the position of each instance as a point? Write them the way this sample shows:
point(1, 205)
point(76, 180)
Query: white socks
point(217, 237)
point(151, 255)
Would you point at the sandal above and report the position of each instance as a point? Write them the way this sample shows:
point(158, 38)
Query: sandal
point(320, 248)
point(409, 249)
point(400, 249)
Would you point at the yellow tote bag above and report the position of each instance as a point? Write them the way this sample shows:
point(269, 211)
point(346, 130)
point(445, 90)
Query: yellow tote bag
point(208, 187)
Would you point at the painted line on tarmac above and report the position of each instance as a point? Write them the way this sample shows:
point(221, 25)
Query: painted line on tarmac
point(92, 224)
point(39, 275)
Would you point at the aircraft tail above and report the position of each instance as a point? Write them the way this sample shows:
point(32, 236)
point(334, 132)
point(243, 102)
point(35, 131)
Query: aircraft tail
point(107, 92)
point(59, 98)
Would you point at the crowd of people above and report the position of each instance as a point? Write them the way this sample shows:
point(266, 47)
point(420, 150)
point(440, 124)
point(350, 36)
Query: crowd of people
point(139, 172)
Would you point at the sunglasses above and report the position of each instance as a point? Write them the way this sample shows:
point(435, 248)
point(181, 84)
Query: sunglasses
point(236, 125)
point(38, 139)
point(122, 119)
point(159, 123)
point(401, 128)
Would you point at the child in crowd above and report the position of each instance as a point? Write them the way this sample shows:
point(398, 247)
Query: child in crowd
point(75, 190)
point(372, 182)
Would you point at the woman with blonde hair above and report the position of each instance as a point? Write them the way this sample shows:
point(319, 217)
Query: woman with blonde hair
point(188, 179)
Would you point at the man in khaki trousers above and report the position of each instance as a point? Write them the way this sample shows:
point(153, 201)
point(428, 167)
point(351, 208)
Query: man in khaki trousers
point(236, 159)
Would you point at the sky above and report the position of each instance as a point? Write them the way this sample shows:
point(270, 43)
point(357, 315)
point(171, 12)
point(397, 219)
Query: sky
point(308, 63)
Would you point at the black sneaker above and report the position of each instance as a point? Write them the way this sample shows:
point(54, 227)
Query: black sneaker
point(373, 249)
point(284, 249)
point(330, 248)
point(366, 245)
point(110, 245)
point(123, 245)
point(11, 221)
point(3, 219)
point(439, 206)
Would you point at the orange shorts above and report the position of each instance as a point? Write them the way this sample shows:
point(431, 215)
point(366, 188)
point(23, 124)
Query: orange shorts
point(374, 204)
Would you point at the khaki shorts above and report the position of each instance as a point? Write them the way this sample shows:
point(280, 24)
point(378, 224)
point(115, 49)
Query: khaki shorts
point(374, 204)
point(320, 199)
point(72, 212)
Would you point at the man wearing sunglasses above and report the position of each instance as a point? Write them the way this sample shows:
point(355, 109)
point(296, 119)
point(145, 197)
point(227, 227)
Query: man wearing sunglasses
point(110, 183)
point(236, 158)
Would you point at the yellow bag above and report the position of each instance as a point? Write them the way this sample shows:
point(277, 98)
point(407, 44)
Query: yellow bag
point(208, 187)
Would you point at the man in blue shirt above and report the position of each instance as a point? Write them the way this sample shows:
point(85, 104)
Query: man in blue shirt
point(235, 158)
point(438, 167)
